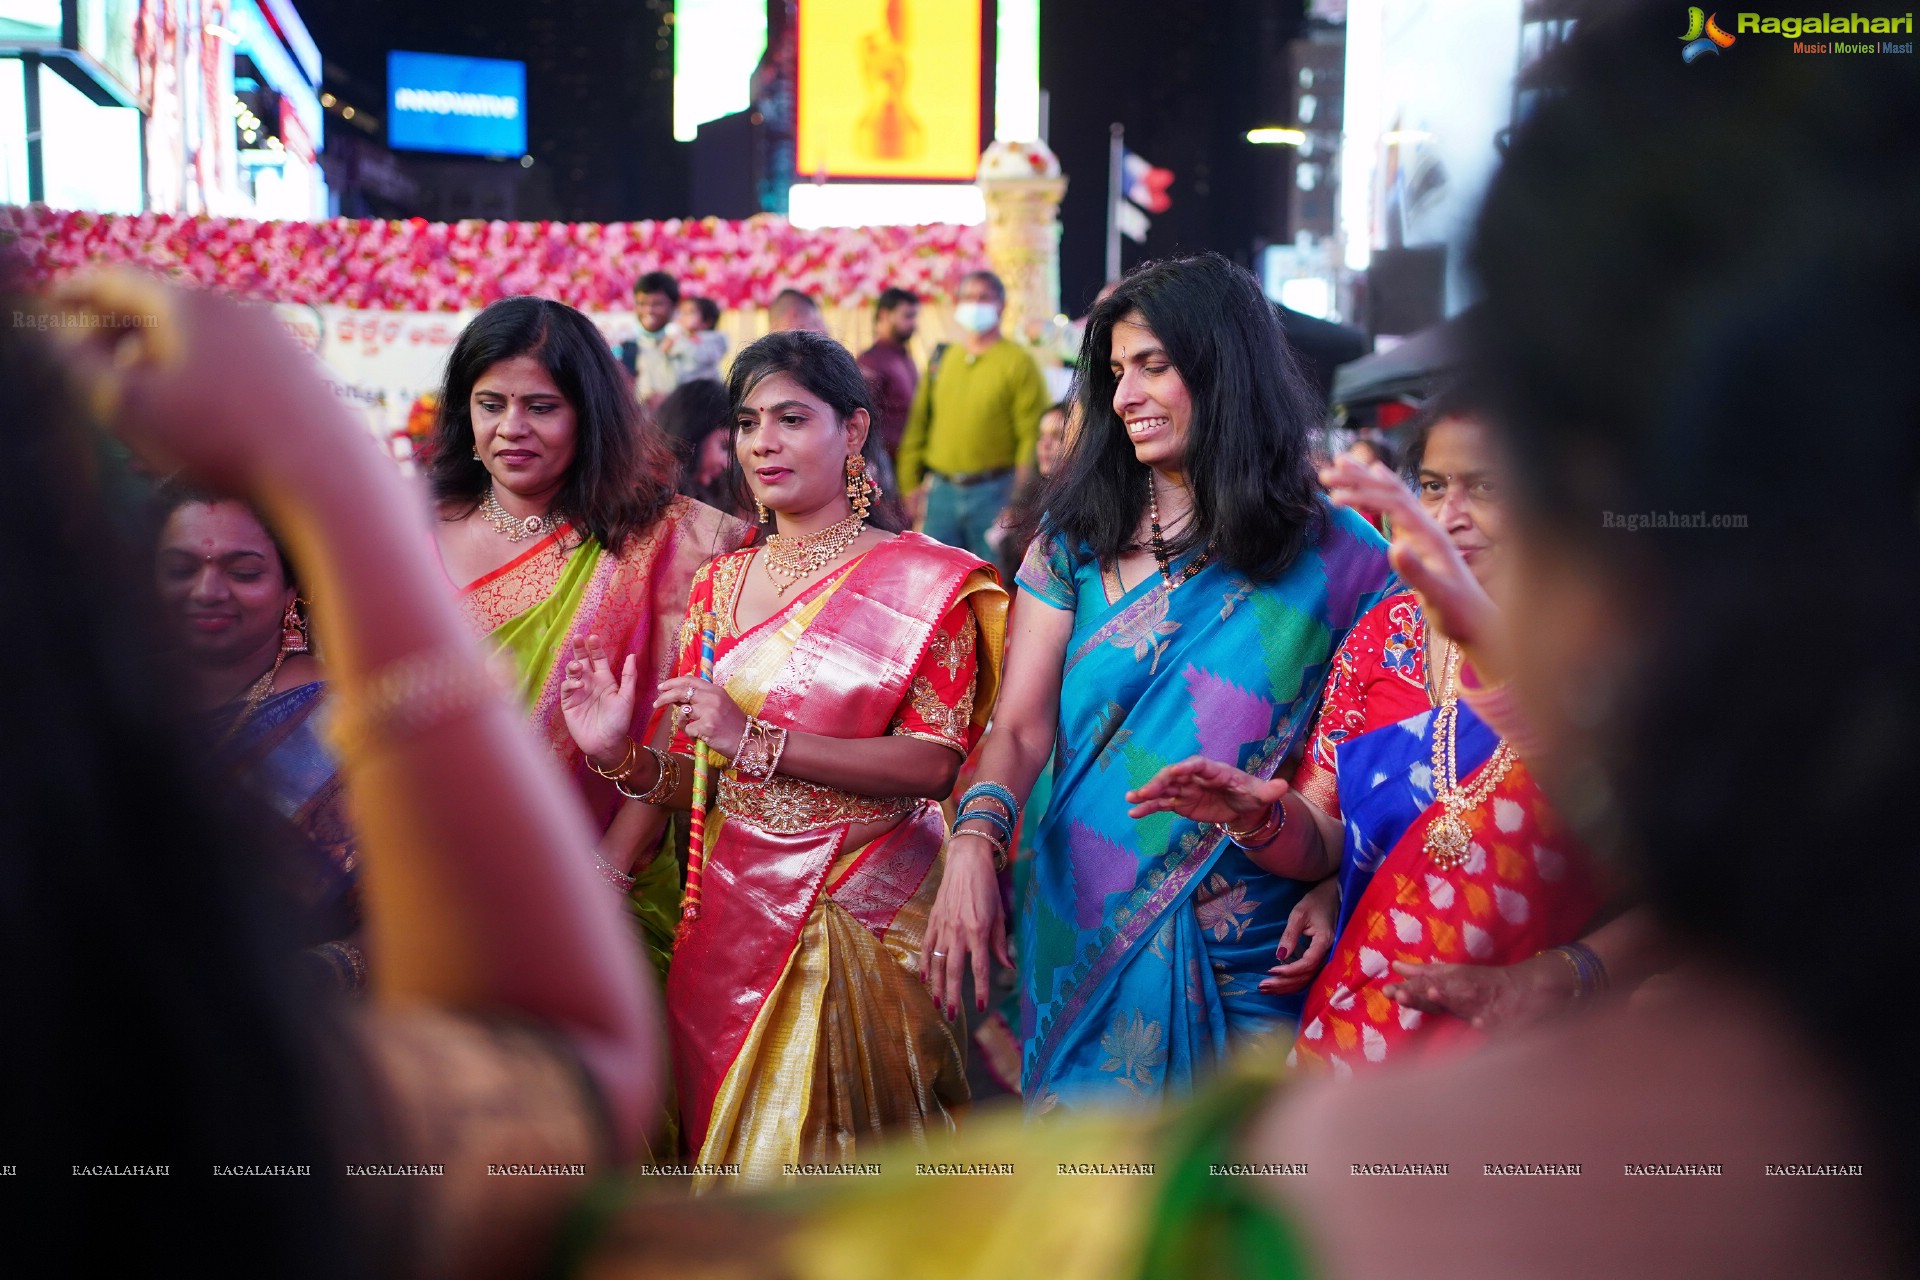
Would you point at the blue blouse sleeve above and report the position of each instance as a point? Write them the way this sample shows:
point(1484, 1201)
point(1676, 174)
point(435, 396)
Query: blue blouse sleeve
point(1047, 573)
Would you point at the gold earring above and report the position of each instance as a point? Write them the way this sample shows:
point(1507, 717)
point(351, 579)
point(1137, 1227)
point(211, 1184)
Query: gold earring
point(293, 632)
point(860, 486)
point(761, 511)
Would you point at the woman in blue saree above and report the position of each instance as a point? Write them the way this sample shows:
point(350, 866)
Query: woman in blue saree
point(1188, 588)
point(245, 666)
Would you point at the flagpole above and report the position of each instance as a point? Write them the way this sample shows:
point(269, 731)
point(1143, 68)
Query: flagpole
point(1116, 162)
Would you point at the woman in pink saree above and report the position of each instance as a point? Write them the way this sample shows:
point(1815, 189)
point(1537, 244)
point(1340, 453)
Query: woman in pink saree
point(853, 669)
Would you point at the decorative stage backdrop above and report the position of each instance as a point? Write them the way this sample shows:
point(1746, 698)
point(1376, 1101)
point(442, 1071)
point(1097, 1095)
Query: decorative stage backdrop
point(381, 302)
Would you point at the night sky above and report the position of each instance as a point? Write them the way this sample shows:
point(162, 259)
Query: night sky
point(1186, 79)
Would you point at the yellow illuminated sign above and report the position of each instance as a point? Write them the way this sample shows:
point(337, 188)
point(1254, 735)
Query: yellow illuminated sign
point(889, 89)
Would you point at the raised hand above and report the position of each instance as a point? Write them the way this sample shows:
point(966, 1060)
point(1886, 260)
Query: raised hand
point(597, 703)
point(1207, 791)
point(1421, 553)
point(181, 375)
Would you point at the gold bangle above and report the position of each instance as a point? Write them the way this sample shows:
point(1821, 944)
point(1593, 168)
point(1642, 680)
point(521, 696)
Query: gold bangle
point(1573, 966)
point(622, 771)
point(998, 846)
point(410, 696)
point(666, 779)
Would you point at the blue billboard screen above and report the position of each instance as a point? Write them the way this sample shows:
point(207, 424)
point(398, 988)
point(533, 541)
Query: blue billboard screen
point(473, 106)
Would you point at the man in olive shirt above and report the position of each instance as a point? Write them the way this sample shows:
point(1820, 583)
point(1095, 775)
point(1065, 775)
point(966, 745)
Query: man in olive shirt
point(975, 419)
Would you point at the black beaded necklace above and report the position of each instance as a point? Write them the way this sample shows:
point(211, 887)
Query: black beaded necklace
point(1159, 545)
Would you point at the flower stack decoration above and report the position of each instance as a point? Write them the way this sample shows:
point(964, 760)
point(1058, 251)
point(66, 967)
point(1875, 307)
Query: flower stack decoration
point(416, 265)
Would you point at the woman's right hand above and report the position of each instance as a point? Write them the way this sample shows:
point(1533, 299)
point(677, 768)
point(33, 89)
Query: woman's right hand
point(598, 704)
point(966, 927)
point(1205, 790)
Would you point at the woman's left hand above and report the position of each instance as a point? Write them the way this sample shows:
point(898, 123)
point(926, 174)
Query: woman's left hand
point(1207, 791)
point(711, 716)
point(1311, 917)
point(1488, 997)
point(966, 928)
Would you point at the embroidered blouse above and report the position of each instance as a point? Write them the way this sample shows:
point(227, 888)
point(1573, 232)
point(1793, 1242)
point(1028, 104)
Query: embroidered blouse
point(1378, 678)
point(938, 708)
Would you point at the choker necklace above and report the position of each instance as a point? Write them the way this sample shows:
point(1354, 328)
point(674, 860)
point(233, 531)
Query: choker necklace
point(791, 557)
point(516, 528)
point(1449, 842)
point(1159, 544)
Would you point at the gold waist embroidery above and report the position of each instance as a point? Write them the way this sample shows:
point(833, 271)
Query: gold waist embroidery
point(786, 806)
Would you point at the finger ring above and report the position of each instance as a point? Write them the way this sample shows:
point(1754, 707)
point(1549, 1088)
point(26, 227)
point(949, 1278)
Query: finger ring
point(688, 697)
point(939, 955)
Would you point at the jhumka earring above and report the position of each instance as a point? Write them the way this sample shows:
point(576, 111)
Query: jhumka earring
point(293, 632)
point(860, 486)
point(760, 511)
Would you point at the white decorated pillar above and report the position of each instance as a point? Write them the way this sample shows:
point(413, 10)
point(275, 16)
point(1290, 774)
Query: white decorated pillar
point(1023, 187)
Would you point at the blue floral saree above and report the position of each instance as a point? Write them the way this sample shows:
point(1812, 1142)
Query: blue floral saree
point(1141, 944)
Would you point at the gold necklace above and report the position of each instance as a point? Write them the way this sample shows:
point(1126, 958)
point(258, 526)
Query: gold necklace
point(256, 694)
point(1159, 545)
point(516, 528)
point(1435, 694)
point(1449, 841)
point(792, 556)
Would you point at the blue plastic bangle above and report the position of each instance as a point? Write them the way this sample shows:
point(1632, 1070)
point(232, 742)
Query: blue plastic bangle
point(987, 815)
point(992, 790)
point(1593, 976)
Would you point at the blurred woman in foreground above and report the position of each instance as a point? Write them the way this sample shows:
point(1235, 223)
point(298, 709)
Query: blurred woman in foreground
point(158, 1029)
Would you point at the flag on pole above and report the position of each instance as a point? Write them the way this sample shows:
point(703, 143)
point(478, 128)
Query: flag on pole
point(1146, 184)
point(1132, 223)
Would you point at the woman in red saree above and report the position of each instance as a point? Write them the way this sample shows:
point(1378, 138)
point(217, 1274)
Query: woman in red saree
point(853, 669)
point(1462, 899)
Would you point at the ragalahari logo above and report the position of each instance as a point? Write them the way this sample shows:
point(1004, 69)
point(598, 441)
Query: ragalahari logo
point(1703, 36)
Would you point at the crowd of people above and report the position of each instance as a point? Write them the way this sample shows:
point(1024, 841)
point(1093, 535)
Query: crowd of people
point(659, 785)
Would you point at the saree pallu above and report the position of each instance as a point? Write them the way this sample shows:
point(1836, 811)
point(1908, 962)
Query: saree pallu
point(283, 758)
point(800, 1027)
point(538, 605)
point(1141, 944)
point(1524, 886)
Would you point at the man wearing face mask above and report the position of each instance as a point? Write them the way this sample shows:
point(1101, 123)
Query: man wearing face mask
point(975, 419)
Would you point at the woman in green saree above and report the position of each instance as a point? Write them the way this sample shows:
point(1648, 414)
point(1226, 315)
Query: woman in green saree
point(558, 520)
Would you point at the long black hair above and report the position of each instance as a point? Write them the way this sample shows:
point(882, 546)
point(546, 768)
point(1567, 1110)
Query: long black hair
point(829, 372)
point(1690, 272)
point(622, 473)
point(1249, 463)
point(153, 1003)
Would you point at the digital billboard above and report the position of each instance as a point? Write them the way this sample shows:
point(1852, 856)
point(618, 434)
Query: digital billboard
point(889, 89)
point(716, 46)
point(470, 106)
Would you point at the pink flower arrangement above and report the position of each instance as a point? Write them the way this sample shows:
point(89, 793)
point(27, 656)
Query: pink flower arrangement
point(418, 265)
